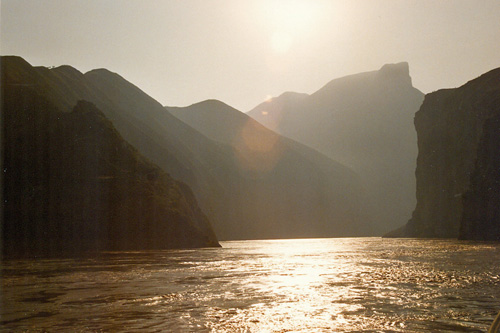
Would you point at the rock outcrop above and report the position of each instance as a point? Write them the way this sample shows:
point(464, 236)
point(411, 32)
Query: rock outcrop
point(457, 166)
point(71, 184)
point(364, 121)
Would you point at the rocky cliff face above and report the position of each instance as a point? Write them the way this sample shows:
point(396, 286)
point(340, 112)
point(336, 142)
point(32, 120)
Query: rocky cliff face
point(458, 151)
point(71, 184)
point(481, 204)
point(364, 121)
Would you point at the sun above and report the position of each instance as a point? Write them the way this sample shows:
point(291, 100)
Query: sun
point(289, 19)
point(293, 15)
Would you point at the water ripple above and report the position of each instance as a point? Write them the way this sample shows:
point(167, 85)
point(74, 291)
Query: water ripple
point(320, 285)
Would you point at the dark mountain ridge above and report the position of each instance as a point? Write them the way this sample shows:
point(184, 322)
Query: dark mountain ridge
point(71, 184)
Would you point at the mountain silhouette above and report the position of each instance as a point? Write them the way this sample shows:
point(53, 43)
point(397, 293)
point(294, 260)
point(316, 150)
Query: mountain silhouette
point(364, 121)
point(71, 184)
point(287, 180)
point(248, 202)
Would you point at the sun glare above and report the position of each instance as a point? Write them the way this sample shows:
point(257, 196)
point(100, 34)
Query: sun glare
point(289, 19)
point(292, 15)
point(281, 41)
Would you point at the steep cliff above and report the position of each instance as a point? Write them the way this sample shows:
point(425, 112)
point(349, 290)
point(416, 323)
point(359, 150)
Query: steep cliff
point(481, 204)
point(71, 184)
point(456, 143)
point(364, 121)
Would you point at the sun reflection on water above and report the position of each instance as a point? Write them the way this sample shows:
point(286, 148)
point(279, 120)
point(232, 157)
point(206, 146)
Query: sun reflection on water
point(297, 287)
point(307, 285)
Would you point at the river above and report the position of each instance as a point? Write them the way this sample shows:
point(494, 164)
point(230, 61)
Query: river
point(305, 285)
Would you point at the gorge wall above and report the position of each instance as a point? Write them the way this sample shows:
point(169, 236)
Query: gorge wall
point(481, 203)
point(457, 166)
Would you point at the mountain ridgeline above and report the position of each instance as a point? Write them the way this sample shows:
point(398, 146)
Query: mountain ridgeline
point(91, 163)
point(458, 178)
point(71, 184)
point(263, 189)
point(244, 197)
point(285, 180)
point(364, 121)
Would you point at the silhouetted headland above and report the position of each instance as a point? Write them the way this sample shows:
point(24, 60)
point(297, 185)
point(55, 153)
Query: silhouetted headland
point(458, 191)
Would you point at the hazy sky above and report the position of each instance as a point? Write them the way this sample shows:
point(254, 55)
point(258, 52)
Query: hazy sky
point(184, 51)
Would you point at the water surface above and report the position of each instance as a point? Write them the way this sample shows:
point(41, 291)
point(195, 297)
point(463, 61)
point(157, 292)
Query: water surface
point(308, 285)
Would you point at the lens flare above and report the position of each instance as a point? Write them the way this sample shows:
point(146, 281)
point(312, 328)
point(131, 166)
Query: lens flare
point(258, 150)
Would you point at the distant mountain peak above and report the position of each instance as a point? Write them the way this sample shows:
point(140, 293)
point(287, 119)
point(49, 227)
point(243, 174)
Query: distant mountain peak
point(388, 76)
point(399, 71)
point(401, 67)
point(212, 103)
point(364, 121)
point(204, 107)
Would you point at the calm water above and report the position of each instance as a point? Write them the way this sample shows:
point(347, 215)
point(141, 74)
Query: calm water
point(314, 285)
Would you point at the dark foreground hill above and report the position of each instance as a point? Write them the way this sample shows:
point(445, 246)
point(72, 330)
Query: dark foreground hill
point(364, 121)
point(458, 167)
point(71, 184)
point(241, 202)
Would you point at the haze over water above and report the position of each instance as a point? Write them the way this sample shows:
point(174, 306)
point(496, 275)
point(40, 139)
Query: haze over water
point(320, 285)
